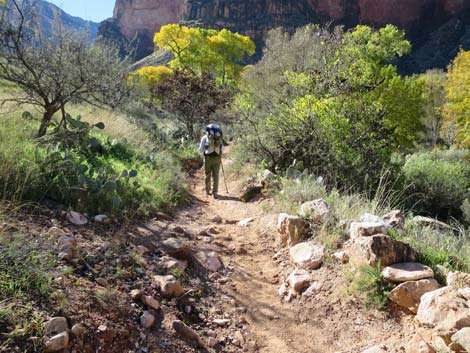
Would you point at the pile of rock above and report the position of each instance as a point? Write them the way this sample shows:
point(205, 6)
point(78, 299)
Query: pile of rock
point(305, 256)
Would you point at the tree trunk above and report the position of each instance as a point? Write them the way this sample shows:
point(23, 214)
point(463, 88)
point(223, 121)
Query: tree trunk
point(46, 120)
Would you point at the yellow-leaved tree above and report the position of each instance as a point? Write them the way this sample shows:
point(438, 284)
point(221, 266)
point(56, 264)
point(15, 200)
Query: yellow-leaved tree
point(206, 50)
point(150, 76)
point(456, 112)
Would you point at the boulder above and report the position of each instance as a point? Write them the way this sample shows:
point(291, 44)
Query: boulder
point(369, 250)
point(420, 343)
point(462, 338)
point(313, 290)
point(208, 260)
point(395, 219)
point(366, 229)
point(298, 280)
point(317, 211)
point(170, 263)
point(371, 218)
point(427, 221)
point(55, 326)
point(169, 286)
point(341, 256)
point(307, 255)
point(407, 271)
point(76, 218)
point(445, 311)
point(458, 279)
point(147, 320)
point(292, 229)
point(408, 294)
point(57, 343)
point(187, 333)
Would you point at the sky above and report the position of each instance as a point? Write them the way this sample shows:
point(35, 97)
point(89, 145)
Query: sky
point(94, 10)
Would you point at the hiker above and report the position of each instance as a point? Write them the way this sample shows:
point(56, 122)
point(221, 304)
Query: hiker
point(211, 146)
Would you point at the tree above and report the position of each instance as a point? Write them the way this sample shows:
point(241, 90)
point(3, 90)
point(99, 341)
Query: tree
point(456, 126)
point(206, 50)
point(191, 98)
point(150, 76)
point(434, 98)
point(332, 100)
point(52, 72)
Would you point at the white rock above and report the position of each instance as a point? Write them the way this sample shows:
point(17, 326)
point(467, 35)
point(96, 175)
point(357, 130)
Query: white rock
point(245, 222)
point(341, 256)
point(101, 218)
point(395, 219)
point(318, 210)
point(78, 330)
point(458, 279)
point(76, 218)
point(299, 280)
point(375, 349)
point(56, 232)
point(57, 343)
point(430, 222)
point(307, 255)
point(169, 286)
point(170, 263)
point(365, 229)
point(407, 271)
point(462, 337)
point(283, 289)
point(371, 218)
point(221, 322)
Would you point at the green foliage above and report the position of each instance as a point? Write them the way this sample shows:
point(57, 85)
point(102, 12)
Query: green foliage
point(436, 186)
point(369, 282)
point(332, 101)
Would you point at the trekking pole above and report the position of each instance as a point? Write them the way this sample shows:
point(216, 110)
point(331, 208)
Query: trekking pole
point(223, 173)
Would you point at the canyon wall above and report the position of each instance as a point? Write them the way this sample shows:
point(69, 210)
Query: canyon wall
point(427, 22)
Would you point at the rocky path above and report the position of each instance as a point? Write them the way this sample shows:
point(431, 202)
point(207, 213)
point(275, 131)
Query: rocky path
point(330, 322)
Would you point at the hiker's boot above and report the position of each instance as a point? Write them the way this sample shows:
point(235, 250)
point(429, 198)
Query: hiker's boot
point(215, 196)
point(208, 193)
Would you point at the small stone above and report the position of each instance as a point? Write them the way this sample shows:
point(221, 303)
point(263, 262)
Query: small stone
point(101, 218)
point(67, 248)
point(217, 219)
point(313, 290)
point(136, 294)
point(283, 289)
point(147, 320)
point(176, 247)
point(169, 286)
point(341, 256)
point(78, 330)
point(212, 342)
point(210, 261)
point(221, 322)
point(298, 280)
point(245, 222)
point(151, 302)
point(420, 343)
point(238, 339)
point(407, 271)
point(408, 294)
point(366, 229)
point(171, 263)
point(102, 282)
point(187, 333)
point(55, 232)
point(376, 349)
point(395, 219)
point(76, 218)
point(57, 343)
point(292, 229)
point(55, 326)
point(307, 255)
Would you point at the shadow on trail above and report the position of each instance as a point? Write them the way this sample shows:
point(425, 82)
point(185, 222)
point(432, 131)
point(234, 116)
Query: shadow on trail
point(228, 198)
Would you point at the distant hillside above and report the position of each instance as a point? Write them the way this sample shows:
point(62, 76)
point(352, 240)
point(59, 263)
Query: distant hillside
point(50, 15)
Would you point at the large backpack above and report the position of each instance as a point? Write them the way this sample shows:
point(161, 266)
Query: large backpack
point(216, 137)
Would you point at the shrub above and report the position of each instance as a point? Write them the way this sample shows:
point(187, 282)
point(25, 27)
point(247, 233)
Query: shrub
point(437, 187)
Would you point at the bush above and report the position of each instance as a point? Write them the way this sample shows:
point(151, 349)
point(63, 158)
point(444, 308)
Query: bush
point(437, 187)
point(84, 170)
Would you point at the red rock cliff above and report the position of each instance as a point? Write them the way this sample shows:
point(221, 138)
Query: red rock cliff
point(255, 17)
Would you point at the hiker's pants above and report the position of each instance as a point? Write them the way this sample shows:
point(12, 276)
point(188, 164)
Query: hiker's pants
point(211, 168)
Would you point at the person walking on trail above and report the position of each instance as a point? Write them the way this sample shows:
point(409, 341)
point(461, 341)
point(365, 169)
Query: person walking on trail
point(211, 147)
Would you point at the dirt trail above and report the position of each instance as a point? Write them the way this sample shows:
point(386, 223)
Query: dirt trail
point(329, 322)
